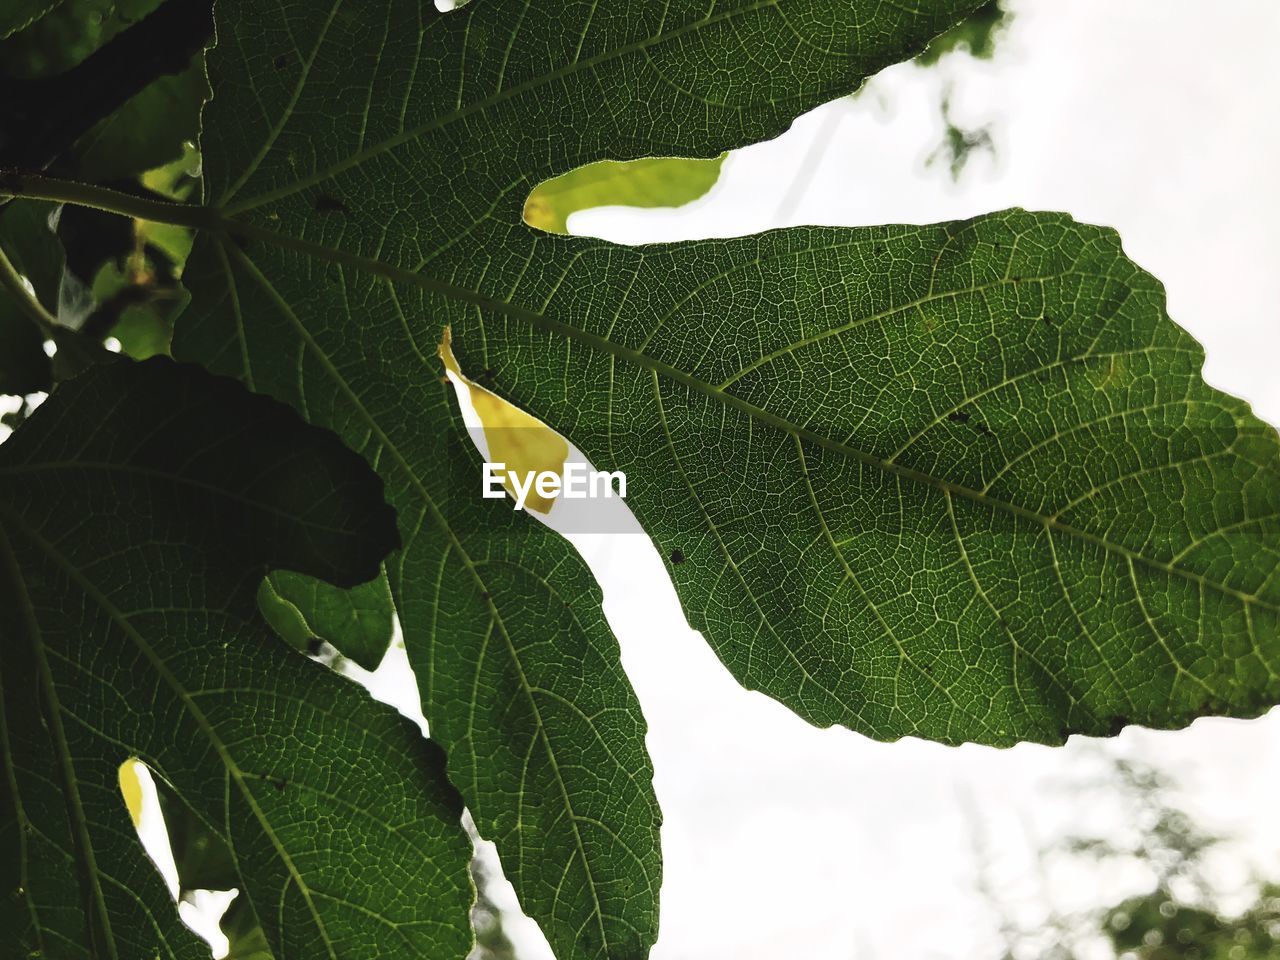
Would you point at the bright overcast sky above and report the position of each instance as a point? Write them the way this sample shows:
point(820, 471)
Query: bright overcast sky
point(1157, 117)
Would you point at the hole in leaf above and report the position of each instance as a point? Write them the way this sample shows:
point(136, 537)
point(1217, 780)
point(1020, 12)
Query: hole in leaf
point(200, 909)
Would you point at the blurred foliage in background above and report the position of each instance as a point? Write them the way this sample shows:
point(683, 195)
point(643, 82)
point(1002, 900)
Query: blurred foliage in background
point(1179, 917)
point(976, 35)
point(113, 124)
point(492, 942)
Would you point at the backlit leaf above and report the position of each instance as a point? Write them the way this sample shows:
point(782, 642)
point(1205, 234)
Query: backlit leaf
point(357, 622)
point(655, 182)
point(959, 481)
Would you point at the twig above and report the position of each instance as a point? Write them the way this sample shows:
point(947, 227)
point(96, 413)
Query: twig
point(11, 281)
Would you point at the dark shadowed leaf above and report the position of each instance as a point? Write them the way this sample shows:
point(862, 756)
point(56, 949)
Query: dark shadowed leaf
point(140, 507)
point(106, 109)
point(24, 366)
point(148, 131)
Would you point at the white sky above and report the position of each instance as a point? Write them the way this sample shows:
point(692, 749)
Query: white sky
point(780, 840)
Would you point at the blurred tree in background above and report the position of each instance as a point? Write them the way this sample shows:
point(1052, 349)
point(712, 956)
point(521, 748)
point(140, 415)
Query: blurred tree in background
point(492, 942)
point(1180, 917)
point(976, 35)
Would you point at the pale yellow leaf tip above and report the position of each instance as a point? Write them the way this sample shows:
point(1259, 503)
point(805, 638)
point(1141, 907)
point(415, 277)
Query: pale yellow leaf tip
point(131, 789)
point(516, 438)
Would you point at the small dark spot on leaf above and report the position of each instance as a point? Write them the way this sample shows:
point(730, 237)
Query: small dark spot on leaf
point(484, 595)
point(677, 556)
point(281, 61)
point(324, 203)
point(1046, 320)
point(314, 646)
point(983, 429)
point(281, 784)
point(958, 416)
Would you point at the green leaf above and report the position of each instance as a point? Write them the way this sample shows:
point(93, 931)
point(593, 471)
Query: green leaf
point(143, 332)
point(147, 131)
point(358, 623)
point(1081, 535)
point(383, 222)
point(519, 674)
point(139, 508)
point(657, 182)
point(961, 481)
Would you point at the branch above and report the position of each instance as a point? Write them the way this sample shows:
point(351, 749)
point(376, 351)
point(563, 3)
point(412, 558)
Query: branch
point(36, 187)
point(11, 281)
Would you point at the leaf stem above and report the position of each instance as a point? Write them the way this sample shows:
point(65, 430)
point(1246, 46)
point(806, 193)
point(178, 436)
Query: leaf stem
point(36, 187)
point(11, 281)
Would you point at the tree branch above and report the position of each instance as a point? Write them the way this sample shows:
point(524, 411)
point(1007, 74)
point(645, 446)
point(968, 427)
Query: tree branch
point(11, 281)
